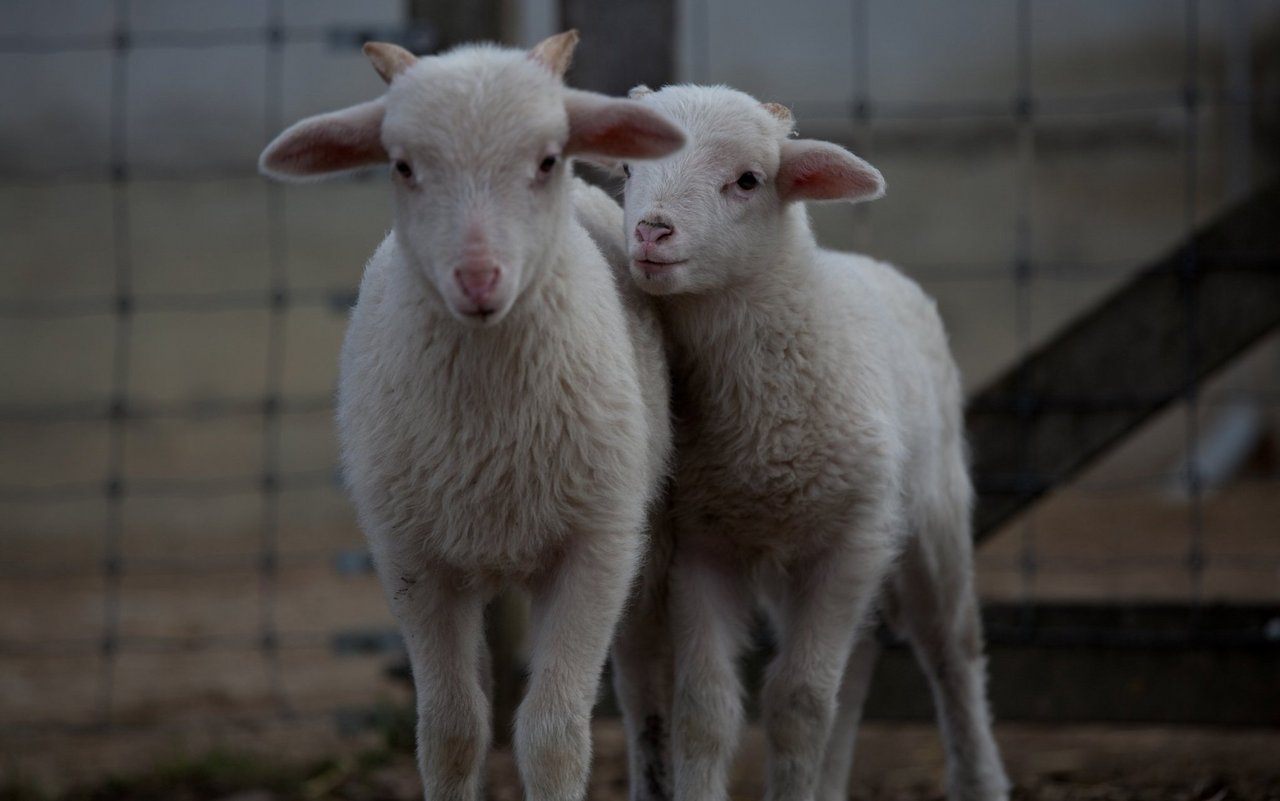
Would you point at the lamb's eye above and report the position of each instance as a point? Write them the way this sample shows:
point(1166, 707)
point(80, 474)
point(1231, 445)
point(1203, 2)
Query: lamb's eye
point(748, 181)
point(403, 168)
point(548, 164)
point(626, 170)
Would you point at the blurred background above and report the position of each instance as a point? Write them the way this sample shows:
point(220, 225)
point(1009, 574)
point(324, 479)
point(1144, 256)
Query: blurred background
point(1082, 186)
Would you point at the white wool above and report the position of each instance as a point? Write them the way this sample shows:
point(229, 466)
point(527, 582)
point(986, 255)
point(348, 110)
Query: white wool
point(484, 449)
point(820, 456)
point(515, 434)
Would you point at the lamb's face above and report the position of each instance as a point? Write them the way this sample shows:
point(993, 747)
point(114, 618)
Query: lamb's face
point(724, 208)
point(475, 141)
point(695, 220)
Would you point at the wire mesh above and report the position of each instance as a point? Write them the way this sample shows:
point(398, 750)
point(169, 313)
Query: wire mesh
point(866, 118)
point(120, 408)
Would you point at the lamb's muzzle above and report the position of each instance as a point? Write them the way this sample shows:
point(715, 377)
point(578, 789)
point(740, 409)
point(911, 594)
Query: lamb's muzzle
point(653, 232)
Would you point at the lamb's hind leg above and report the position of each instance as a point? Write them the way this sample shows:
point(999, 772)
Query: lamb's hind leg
point(643, 673)
point(574, 609)
point(937, 607)
point(833, 785)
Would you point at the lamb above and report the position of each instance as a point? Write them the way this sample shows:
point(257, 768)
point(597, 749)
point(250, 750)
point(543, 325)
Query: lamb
point(820, 455)
point(502, 408)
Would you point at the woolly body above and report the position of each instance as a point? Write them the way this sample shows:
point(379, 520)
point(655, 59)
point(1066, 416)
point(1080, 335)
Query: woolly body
point(804, 425)
point(484, 449)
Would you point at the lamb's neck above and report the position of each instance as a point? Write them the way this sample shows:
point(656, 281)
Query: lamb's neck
point(775, 301)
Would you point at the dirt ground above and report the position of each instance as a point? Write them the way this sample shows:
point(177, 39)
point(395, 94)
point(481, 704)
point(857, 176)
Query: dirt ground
point(904, 762)
point(191, 676)
point(896, 762)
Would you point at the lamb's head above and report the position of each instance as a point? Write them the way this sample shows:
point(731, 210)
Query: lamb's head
point(478, 142)
point(727, 205)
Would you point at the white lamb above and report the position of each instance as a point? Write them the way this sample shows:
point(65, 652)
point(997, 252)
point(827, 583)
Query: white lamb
point(502, 412)
point(820, 455)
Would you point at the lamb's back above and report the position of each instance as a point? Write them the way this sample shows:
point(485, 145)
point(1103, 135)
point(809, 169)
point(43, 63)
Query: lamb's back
point(892, 320)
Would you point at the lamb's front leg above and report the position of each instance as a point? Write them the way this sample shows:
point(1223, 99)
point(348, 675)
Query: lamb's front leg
point(441, 619)
point(824, 606)
point(574, 610)
point(709, 610)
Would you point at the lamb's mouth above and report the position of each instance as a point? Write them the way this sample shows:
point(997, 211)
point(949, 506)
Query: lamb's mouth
point(652, 269)
point(482, 316)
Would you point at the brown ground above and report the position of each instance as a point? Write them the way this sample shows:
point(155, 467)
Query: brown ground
point(902, 762)
point(190, 675)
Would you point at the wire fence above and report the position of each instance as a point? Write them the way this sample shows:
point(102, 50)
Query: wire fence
point(121, 408)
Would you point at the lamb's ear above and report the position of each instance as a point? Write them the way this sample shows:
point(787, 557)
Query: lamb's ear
point(604, 128)
point(388, 59)
point(327, 144)
point(813, 170)
point(780, 113)
point(556, 52)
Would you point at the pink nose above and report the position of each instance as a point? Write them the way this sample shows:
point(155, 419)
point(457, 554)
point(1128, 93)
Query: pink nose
point(478, 281)
point(652, 232)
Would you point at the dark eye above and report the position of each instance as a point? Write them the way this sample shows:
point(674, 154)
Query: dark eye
point(403, 168)
point(626, 170)
point(548, 164)
point(747, 181)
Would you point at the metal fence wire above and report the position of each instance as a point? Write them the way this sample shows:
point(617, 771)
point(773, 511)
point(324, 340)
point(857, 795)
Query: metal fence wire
point(118, 410)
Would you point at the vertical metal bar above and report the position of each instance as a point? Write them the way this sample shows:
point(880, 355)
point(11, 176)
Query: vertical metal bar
point(700, 21)
point(1239, 79)
point(1239, 144)
point(113, 528)
point(863, 131)
point(1191, 303)
point(1190, 290)
point(278, 303)
point(1195, 555)
point(1024, 114)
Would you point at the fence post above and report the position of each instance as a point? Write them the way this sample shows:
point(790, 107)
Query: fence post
point(624, 43)
point(458, 23)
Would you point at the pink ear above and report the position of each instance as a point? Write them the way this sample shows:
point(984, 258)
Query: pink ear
point(326, 144)
point(611, 128)
point(813, 170)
